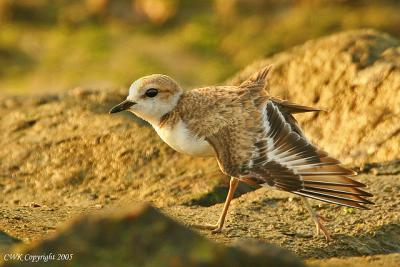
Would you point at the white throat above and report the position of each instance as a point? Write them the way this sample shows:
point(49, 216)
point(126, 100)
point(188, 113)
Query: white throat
point(182, 140)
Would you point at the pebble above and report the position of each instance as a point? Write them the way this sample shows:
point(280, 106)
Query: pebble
point(34, 205)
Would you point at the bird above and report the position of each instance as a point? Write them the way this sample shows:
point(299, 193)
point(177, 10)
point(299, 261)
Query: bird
point(254, 137)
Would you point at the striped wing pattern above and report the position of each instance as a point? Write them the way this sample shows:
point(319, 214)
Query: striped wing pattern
point(283, 158)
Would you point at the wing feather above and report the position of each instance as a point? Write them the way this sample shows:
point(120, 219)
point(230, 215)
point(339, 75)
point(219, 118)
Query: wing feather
point(281, 156)
point(294, 108)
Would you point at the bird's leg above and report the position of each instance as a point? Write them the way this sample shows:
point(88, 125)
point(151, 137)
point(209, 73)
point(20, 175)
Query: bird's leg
point(317, 220)
point(216, 228)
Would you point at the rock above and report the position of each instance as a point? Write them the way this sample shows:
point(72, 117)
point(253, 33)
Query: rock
point(370, 261)
point(257, 249)
point(6, 241)
point(145, 237)
point(34, 205)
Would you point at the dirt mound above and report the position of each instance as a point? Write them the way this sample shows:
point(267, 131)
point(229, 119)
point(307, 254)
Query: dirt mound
point(371, 261)
point(63, 154)
point(355, 76)
point(145, 237)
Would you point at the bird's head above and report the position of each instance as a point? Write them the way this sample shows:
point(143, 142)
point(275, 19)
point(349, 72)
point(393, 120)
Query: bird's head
point(151, 97)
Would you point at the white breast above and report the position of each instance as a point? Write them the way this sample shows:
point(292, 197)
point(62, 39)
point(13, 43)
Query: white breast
point(182, 140)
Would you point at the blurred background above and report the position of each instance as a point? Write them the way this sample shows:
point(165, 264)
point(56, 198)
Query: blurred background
point(48, 45)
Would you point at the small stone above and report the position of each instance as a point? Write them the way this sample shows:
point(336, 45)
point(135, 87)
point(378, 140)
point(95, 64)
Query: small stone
point(34, 205)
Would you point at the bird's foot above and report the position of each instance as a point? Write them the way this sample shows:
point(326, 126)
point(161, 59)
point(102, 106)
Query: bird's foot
point(321, 228)
point(318, 219)
point(215, 228)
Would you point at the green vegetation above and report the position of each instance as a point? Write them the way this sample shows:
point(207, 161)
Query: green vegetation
point(56, 45)
point(347, 210)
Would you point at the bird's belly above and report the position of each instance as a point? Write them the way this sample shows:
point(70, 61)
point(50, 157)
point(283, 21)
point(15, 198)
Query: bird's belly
point(182, 140)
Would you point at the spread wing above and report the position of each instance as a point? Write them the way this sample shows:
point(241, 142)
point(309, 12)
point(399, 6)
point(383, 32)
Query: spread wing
point(274, 152)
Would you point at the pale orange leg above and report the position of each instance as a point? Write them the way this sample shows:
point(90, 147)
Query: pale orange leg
point(216, 228)
point(317, 220)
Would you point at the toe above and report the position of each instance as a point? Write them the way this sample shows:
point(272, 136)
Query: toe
point(204, 226)
point(216, 230)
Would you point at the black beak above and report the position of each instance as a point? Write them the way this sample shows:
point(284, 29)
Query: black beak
point(122, 106)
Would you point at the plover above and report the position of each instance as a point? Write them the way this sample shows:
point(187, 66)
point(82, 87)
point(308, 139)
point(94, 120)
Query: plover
point(253, 135)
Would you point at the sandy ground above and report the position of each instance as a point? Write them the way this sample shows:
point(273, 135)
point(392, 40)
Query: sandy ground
point(279, 218)
point(266, 215)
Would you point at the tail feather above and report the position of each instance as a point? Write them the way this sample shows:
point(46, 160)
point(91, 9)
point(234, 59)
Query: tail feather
point(338, 196)
point(326, 170)
point(330, 183)
point(332, 180)
point(338, 189)
point(323, 179)
point(333, 200)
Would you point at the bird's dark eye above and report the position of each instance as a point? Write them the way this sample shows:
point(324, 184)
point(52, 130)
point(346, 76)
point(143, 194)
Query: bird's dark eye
point(152, 92)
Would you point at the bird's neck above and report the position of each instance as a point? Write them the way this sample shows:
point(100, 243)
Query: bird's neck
point(166, 116)
point(169, 119)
